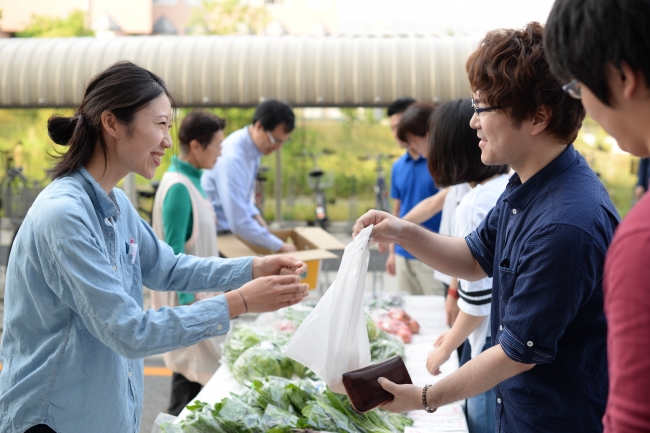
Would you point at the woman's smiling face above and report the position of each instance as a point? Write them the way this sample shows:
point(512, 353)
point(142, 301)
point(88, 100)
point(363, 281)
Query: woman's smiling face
point(141, 145)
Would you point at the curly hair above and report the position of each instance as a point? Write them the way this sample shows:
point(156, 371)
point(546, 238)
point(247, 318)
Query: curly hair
point(510, 68)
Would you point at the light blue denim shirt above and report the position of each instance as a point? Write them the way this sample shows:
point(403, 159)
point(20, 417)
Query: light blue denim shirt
point(229, 185)
point(75, 333)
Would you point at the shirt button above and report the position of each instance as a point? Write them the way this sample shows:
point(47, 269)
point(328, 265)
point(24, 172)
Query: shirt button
point(130, 374)
point(514, 211)
point(219, 327)
point(499, 400)
point(529, 344)
point(500, 327)
point(115, 268)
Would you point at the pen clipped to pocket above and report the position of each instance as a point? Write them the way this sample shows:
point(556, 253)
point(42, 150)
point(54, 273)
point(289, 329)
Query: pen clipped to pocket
point(132, 250)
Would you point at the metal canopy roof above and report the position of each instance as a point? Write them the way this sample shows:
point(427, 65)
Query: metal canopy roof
point(241, 71)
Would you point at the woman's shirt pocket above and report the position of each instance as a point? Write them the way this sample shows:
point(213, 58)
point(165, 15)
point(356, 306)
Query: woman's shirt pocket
point(127, 272)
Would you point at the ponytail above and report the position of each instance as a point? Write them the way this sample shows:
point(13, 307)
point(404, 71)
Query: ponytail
point(60, 129)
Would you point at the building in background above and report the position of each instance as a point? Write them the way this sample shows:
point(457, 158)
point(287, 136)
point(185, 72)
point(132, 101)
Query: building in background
point(169, 17)
point(116, 17)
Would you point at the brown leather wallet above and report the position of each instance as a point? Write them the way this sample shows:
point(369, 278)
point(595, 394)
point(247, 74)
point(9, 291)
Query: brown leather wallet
point(364, 390)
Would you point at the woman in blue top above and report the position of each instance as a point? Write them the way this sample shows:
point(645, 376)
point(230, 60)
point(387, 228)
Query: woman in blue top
point(75, 333)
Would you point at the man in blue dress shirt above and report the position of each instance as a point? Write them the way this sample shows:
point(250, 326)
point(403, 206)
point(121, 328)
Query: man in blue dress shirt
point(230, 183)
point(544, 244)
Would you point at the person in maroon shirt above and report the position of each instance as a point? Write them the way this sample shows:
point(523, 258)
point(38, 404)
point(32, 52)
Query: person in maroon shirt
point(601, 48)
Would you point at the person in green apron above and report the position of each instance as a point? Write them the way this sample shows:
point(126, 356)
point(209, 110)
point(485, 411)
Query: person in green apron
point(185, 219)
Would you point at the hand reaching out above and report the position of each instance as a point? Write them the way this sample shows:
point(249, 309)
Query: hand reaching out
point(277, 265)
point(387, 228)
point(438, 355)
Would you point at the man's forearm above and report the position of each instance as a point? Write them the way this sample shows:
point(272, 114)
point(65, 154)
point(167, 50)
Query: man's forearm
point(475, 377)
point(449, 255)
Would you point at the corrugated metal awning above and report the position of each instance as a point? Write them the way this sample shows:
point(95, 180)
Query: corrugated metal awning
point(240, 71)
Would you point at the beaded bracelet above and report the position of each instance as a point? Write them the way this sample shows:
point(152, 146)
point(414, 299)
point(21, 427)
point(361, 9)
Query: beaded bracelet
point(424, 400)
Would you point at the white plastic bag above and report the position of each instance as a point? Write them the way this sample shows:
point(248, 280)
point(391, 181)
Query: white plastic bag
point(333, 339)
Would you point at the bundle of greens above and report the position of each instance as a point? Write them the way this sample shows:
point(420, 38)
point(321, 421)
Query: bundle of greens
point(255, 352)
point(385, 346)
point(278, 405)
point(244, 337)
point(262, 360)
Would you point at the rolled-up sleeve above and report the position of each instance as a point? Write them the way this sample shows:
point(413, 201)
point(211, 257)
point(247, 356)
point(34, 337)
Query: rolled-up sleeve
point(481, 242)
point(548, 291)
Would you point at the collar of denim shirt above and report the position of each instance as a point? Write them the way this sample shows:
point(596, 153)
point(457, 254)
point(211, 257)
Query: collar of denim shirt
point(105, 203)
point(519, 195)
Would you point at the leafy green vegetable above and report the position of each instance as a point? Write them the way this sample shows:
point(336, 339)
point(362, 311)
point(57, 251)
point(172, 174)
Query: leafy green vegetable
point(296, 314)
point(243, 337)
point(385, 346)
point(277, 405)
point(373, 330)
point(274, 403)
point(276, 417)
point(299, 395)
point(273, 392)
point(299, 369)
point(280, 429)
point(260, 361)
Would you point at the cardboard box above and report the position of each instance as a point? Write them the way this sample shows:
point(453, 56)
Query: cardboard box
point(313, 243)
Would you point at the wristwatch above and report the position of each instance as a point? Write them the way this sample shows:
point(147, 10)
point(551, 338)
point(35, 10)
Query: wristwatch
point(453, 292)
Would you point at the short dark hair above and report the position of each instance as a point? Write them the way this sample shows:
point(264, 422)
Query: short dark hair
point(123, 89)
point(200, 126)
point(510, 68)
point(273, 112)
point(583, 37)
point(454, 156)
point(415, 120)
point(399, 105)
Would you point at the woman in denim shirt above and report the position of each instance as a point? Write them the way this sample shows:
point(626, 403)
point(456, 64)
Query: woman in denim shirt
point(75, 333)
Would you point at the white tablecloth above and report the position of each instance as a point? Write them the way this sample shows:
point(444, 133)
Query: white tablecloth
point(429, 311)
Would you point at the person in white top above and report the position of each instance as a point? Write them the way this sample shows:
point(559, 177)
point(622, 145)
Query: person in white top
point(455, 158)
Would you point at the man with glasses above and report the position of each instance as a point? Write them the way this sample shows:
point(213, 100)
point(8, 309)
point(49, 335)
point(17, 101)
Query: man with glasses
point(544, 244)
point(230, 183)
point(602, 49)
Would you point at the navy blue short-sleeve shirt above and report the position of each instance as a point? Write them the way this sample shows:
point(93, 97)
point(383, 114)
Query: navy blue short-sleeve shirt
point(544, 244)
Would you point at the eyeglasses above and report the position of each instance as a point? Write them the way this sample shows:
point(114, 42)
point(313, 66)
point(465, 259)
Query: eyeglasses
point(478, 111)
point(573, 89)
point(274, 140)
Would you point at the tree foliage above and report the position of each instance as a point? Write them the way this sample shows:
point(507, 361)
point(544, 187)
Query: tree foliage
point(43, 26)
point(227, 17)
